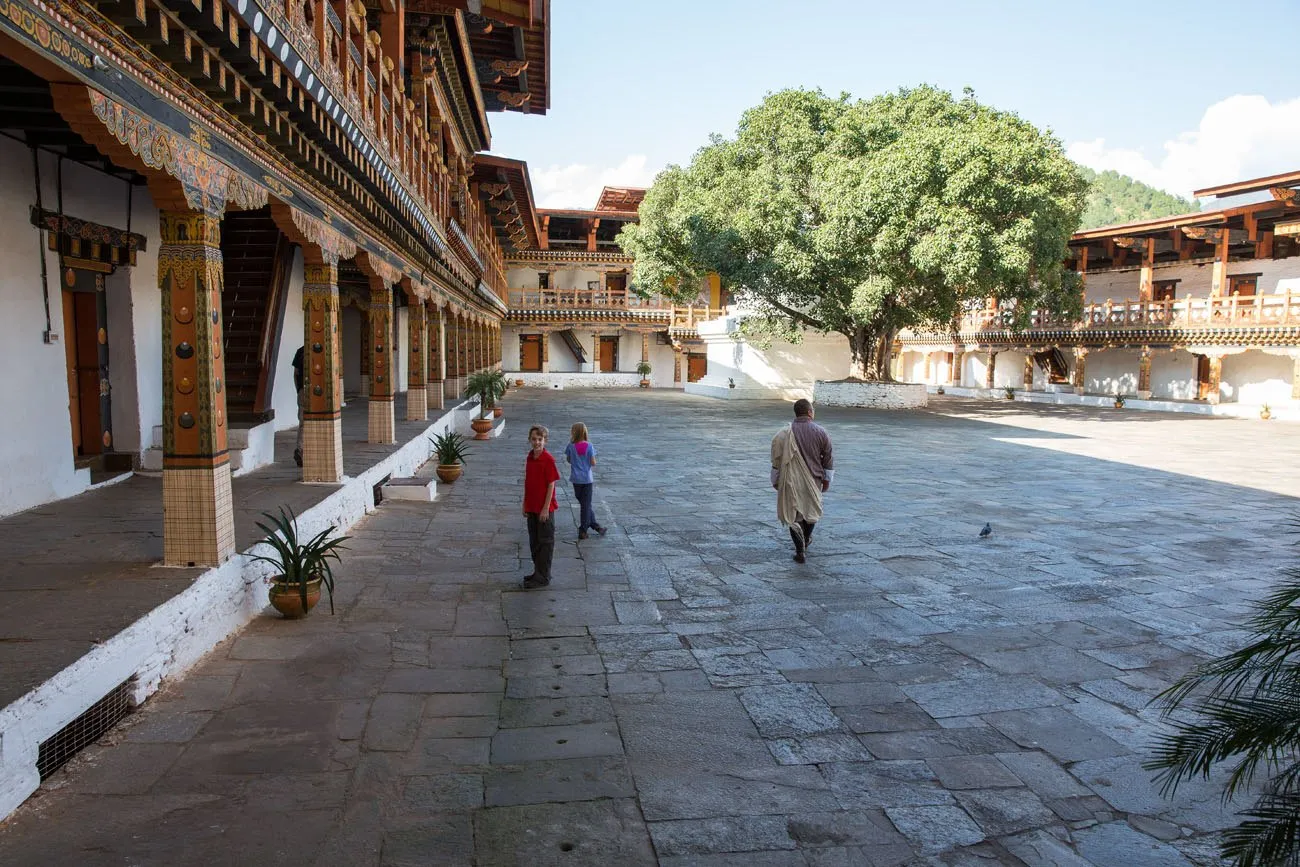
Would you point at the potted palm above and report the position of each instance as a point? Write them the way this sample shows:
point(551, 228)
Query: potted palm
point(449, 449)
point(488, 386)
point(643, 368)
point(1265, 412)
point(302, 567)
point(1010, 392)
point(1119, 400)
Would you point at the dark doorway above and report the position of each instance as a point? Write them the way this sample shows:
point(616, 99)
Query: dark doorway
point(85, 326)
point(1202, 377)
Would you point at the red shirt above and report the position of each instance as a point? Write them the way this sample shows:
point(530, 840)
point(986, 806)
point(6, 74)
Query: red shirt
point(538, 474)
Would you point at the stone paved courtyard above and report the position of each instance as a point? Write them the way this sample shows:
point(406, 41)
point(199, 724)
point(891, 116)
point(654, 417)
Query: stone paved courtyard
point(686, 694)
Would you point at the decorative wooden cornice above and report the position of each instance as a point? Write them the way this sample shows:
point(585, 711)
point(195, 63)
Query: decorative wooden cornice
point(115, 246)
point(1286, 195)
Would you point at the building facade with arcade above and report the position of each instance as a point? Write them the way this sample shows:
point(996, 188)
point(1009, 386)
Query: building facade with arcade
point(197, 189)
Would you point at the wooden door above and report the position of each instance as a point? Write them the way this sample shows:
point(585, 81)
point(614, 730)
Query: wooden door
point(530, 352)
point(1202, 377)
point(608, 354)
point(86, 348)
point(697, 365)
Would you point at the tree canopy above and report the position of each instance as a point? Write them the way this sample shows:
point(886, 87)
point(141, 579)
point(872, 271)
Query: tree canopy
point(863, 217)
point(1115, 198)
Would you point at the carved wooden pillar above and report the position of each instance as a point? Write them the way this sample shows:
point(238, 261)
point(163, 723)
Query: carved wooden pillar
point(1295, 376)
point(435, 382)
point(382, 424)
point(546, 351)
point(678, 357)
point(1219, 271)
point(450, 337)
point(645, 346)
point(1144, 374)
point(1216, 378)
point(1146, 275)
point(1080, 369)
point(417, 398)
point(198, 514)
point(322, 433)
point(1027, 382)
point(364, 308)
point(991, 370)
point(954, 367)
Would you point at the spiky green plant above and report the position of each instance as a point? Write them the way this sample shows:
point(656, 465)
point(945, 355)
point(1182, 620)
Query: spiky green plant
point(300, 562)
point(449, 447)
point(1245, 709)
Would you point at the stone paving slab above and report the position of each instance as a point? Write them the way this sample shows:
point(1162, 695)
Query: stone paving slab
point(685, 694)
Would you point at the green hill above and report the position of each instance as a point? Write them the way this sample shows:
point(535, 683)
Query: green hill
point(1117, 198)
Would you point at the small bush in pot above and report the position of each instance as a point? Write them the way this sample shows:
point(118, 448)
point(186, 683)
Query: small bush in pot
point(643, 368)
point(302, 567)
point(450, 450)
point(488, 386)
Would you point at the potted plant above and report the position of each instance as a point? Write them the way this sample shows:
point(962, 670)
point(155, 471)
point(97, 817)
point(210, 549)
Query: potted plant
point(450, 450)
point(939, 390)
point(1265, 412)
point(302, 567)
point(488, 386)
point(1010, 392)
point(731, 383)
point(1119, 400)
point(643, 368)
point(519, 383)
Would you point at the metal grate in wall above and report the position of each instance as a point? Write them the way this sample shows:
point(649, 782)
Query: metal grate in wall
point(85, 729)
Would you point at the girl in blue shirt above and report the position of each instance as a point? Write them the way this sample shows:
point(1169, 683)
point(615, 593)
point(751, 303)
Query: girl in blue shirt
point(581, 456)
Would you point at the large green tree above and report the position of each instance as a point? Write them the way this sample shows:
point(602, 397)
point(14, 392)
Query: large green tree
point(865, 217)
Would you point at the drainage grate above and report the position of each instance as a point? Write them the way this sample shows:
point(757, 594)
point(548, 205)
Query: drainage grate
point(85, 729)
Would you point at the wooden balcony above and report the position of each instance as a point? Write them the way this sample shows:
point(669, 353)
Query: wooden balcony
point(609, 305)
point(1249, 311)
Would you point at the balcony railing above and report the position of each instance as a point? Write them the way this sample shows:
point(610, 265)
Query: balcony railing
point(1235, 311)
point(585, 299)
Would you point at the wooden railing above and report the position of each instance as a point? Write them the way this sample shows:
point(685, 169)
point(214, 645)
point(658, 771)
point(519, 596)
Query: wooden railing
point(1237, 311)
point(692, 315)
point(586, 299)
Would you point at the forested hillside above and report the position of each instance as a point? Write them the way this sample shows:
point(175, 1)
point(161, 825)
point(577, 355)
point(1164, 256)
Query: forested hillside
point(1117, 198)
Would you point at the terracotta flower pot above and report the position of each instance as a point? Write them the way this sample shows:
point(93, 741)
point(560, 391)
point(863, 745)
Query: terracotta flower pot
point(519, 383)
point(645, 383)
point(1265, 414)
point(448, 473)
point(497, 412)
point(287, 598)
point(481, 426)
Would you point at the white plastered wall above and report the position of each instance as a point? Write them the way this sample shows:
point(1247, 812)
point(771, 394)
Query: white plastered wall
point(782, 370)
point(284, 398)
point(1257, 377)
point(1173, 374)
point(402, 360)
point(36, 460)
point(1111, 371)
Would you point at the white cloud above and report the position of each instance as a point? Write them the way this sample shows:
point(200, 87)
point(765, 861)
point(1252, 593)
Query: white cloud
point(578, 185)
point(1238, 138)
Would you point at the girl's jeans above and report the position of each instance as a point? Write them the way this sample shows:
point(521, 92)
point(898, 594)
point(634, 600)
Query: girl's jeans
point(588, 518)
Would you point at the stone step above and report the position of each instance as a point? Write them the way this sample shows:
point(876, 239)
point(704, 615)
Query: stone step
point(410, 488)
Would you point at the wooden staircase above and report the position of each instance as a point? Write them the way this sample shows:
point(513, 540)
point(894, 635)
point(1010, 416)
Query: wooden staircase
point(257, 263)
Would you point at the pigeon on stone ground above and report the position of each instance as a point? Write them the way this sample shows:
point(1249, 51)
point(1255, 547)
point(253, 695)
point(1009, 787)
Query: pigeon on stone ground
point(987, 531)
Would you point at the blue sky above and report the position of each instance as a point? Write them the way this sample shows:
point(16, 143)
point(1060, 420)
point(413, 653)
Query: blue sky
point(1180, 96)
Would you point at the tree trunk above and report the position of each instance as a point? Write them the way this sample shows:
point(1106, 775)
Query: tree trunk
point(869, 349)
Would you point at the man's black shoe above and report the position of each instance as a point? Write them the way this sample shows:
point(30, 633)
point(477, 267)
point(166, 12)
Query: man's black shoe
point(601, 530)
point(582, 534)
point(799, 557)
point(533, 582)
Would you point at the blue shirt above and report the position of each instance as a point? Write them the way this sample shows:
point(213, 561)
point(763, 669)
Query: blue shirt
point(580, 463)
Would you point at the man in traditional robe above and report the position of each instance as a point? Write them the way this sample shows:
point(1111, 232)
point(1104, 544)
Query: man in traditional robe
point(802, 469)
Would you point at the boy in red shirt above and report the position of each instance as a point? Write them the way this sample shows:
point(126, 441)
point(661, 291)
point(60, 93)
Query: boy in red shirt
point(540, 476)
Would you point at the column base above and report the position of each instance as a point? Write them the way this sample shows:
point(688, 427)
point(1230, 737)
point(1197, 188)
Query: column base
point(417, 403)
point(382, 427)
point(433, 394)
point(198, 516)
point(1142, 395)
point(322, 450)
point(1212, 399)
point(365, 383)
point(1078, 389)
